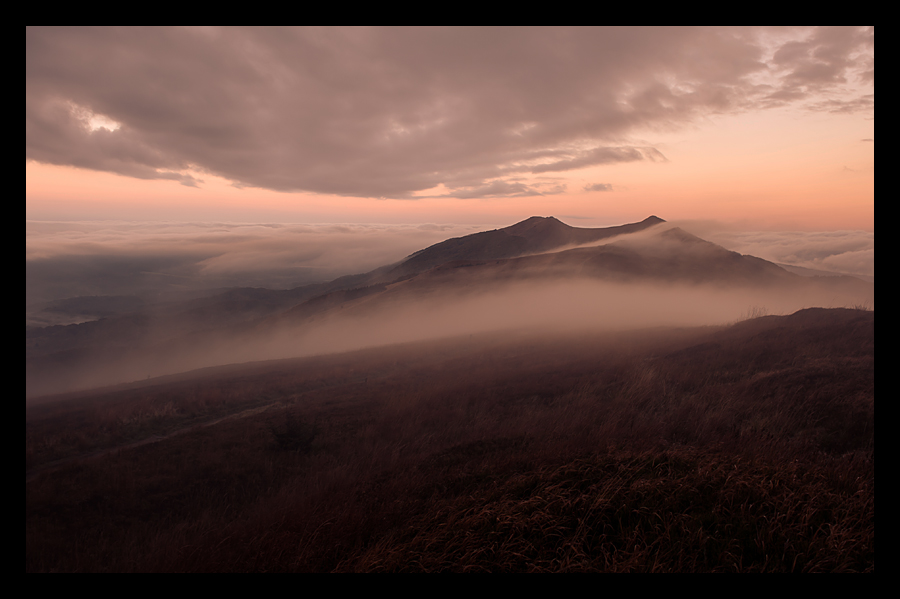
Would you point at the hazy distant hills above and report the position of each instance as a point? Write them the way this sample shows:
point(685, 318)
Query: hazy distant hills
point(513, 251)
point(239, 305)
point(400, 301)
point(667, 255)
point(814, 272)
point(542, 251)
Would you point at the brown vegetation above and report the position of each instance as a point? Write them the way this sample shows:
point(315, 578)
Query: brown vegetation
point(743, 448)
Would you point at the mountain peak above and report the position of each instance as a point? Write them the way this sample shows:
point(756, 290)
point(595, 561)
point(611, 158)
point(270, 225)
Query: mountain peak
point(533, 235)
point(533, 221)
point(536, 219)
point(536, 223)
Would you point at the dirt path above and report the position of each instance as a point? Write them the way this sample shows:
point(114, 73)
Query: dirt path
point(34, 472)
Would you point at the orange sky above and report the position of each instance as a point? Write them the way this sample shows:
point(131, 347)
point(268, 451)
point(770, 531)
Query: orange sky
point(803, 165)
point(770, 170)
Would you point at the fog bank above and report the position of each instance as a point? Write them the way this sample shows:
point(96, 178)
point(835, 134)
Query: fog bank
point(844, 252)
point(389, 317)
point(171, 260)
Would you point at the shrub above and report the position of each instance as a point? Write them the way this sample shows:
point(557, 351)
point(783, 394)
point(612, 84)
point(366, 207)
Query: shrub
point(293, 434)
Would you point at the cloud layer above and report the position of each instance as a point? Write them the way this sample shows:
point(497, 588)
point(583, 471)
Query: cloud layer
point(474, 112)
point(845, 252)
point(64, 260)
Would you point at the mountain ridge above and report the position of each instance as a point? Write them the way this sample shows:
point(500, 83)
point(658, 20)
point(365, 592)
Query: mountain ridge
point(532, 256)
point(533, 235)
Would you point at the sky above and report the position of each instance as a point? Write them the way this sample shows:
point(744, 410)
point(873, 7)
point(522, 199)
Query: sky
point(762, 138)
point(771, 126)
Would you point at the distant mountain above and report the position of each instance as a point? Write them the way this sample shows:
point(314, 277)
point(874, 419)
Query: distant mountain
point(534, 255)
point(531, 236)
point(471, 265)
point(659, 256)
point(814, 272)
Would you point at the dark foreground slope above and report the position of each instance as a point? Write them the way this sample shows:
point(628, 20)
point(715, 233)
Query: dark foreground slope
point(743, 448)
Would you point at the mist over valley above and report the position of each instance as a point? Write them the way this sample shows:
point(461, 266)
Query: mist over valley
point(540, 274)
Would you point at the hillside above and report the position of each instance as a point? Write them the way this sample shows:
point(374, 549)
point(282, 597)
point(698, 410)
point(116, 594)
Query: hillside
point(742, 448)
point(534, 235)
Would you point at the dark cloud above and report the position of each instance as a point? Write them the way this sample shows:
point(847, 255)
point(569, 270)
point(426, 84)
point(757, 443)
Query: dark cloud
point(854, 105)
point(496, 189)
point(827, 58)
point(598, 187)
point(392, 112)
point(597, 156)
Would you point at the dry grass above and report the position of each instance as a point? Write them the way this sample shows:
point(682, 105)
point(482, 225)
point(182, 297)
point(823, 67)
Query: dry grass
point(749, 448)
point(678, 510)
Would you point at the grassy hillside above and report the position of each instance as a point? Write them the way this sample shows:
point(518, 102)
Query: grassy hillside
point(744, 448)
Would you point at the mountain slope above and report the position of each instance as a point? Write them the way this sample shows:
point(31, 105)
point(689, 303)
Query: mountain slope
point(664, 257)
point(641, 274)
point(743, 448)
point(531, 236)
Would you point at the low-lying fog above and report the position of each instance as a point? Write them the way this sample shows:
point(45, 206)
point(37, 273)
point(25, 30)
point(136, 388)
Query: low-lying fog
point(72, 259)
point(65, 260)
point(148, 262)
point(559, 306)
point(555, 306)
point(843, 252)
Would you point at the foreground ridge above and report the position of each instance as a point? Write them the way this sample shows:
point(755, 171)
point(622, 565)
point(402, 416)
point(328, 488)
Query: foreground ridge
point(737, 448)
